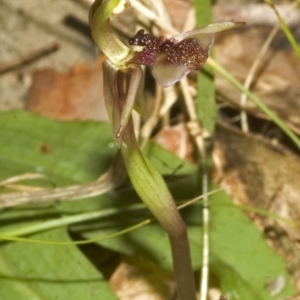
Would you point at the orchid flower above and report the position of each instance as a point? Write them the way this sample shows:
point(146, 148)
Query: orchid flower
point(170, 59)
point(173, 58)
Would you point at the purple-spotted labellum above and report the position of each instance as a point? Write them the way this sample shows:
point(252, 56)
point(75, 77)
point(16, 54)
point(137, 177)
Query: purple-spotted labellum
point(173, 58)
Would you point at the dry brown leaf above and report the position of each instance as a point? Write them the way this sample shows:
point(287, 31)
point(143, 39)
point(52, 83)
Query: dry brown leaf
point(176, 139)
point(76, 95)
point(138, 279)
point(178, 10)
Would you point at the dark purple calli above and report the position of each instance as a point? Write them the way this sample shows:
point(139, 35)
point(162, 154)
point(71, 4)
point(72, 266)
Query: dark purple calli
point(173, 58)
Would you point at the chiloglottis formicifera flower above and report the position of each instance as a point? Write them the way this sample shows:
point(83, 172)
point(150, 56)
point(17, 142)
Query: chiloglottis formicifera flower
point(170, 60)
point(173, 58)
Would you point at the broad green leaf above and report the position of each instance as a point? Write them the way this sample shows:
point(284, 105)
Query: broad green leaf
point(240, 256)
point(67, 152)
point(47, 272)
point(74, 152)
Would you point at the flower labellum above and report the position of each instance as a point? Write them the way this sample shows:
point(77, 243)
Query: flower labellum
point(170, 59)
point(173, 58)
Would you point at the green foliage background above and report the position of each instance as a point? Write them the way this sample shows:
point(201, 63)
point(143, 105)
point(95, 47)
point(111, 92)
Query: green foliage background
point(79, 152)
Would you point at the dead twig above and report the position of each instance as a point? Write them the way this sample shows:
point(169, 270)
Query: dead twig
point(256, 14)
point(28, 58)
point(110, 180)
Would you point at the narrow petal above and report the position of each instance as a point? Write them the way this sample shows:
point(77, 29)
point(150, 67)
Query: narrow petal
point(135, 76)
point(109, 91)
point(209, 30)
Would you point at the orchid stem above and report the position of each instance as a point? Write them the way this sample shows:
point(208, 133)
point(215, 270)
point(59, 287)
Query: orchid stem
point(182, 265)
point(153, 191)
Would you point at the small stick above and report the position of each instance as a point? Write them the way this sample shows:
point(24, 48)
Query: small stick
point(250, 76)
point(28, 58)
point(253, 70)
point(108, 181)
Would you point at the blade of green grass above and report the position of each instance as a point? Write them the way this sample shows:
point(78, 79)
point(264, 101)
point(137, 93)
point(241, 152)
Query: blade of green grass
point(206, 105)
point(44, 272)
point(206, 112)
point(285, 29)
point(256, 101)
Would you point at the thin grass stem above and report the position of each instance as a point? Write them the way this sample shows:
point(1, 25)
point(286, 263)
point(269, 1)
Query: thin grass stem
point(251, 74)
point(256, 101)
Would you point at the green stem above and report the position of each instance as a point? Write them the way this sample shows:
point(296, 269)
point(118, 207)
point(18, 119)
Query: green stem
point(286, 29)
point(153, 191)
point(182, 266)
point(206, 112)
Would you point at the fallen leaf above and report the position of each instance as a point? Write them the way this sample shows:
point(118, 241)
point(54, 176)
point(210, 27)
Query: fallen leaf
point(68, 96)
point(177, 140)
point(136, 278)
